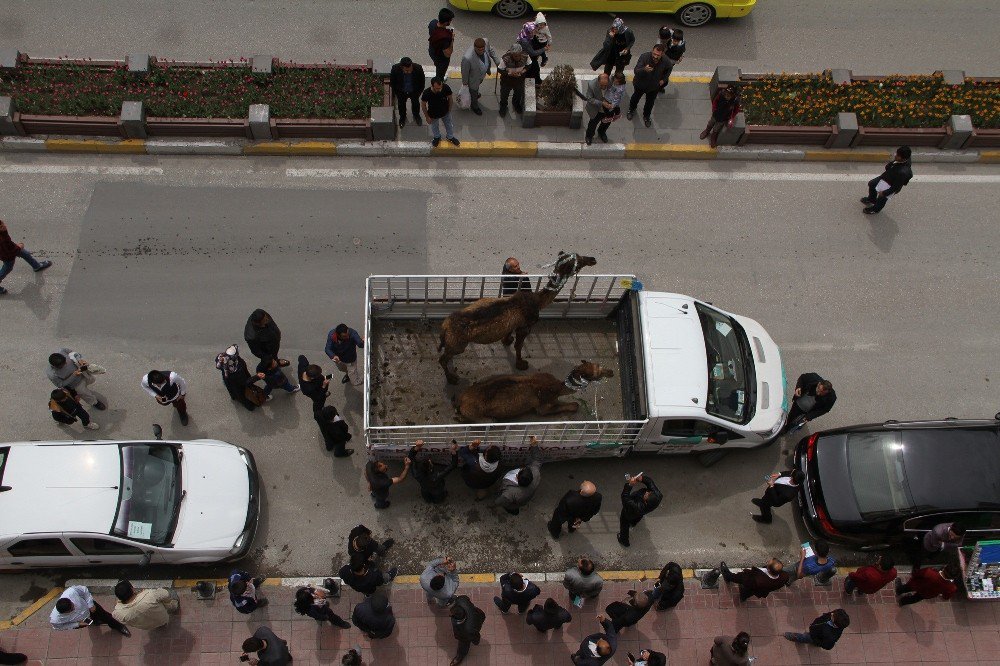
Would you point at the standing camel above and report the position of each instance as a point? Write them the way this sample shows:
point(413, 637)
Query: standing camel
point(506, 319)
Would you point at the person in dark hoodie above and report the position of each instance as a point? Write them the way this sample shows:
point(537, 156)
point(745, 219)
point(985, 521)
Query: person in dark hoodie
point(362, 542)
point(813, 397)
point(627, 613)
point(466, 622)
point(515, 589)
point(616, 52)
point(548, 616)
point(334, 431)
point(897, 174)
point(374, 616)
point(671, 581)
point(364, 576)
point(431, 477)
point(824, 631)
point(636, 503)
point(235, 375)
point(480, 470)
point(262, 335)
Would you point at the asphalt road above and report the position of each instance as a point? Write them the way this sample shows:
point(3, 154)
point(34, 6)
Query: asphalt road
point(888, 36)
point(158, 261)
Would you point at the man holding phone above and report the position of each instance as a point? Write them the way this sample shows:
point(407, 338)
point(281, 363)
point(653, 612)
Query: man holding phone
point(636, 503)
point(77, 609)
point(271, 650)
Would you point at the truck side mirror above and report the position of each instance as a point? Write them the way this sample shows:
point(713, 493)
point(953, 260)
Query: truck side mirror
point(157, 431)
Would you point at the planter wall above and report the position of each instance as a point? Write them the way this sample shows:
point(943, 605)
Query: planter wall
point(281, 128)
point(937, 137)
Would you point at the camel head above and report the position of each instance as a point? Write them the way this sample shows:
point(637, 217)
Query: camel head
point(566, 265)
point(585, 373)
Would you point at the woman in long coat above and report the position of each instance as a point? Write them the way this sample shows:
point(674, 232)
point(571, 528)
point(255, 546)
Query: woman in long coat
point(235, 375)
point(617, 49)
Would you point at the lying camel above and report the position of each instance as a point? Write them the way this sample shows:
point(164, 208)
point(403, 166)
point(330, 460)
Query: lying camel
point(511, 396)
point(506, 319)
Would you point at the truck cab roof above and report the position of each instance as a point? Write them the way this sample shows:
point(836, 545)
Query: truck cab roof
point(675, 356)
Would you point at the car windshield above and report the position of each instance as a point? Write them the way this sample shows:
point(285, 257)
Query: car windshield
point(731, 379)
point(878, 475)
point(150, 493)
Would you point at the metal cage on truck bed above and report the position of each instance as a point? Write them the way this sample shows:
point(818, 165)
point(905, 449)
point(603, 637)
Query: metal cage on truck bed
point(434, 297)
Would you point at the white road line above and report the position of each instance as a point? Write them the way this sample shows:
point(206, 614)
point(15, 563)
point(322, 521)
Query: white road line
point(582, 174)
point(97, 170)
point(827, 346)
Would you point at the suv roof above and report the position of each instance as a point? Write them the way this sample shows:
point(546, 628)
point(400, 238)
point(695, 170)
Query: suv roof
point(59, 487)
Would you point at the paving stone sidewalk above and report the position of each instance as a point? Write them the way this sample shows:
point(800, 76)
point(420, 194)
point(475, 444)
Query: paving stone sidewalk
point(209, 633)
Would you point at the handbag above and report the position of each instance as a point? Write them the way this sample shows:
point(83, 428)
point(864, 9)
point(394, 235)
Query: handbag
point(255, 394)
point(464, 97)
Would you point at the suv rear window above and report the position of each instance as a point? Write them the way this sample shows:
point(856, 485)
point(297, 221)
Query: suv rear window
point(875, 461)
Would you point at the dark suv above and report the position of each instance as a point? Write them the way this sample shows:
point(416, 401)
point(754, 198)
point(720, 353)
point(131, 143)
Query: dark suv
point(868, 486)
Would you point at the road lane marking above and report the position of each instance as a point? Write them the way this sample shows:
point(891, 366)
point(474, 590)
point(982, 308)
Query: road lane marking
point(574, 174)
point(828, 346)
point(42, 169)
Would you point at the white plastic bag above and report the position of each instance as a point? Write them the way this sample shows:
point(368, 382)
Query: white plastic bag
point(464, 98)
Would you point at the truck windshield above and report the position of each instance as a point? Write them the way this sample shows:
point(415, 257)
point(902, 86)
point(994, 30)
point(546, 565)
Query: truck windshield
point(150, 493)
point(731, 379)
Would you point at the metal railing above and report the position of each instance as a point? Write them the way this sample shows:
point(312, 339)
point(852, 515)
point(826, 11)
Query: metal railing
point(436, 296)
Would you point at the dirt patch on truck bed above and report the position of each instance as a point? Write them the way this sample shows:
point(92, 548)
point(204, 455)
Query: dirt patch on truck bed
point(409, 388)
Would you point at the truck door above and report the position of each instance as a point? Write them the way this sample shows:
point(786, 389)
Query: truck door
point(682, 435)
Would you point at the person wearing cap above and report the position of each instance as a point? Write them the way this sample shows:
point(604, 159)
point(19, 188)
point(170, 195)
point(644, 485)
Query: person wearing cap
point(235, 375)
point(441, 41)
point(406, 78)
point(512, 73)
point(475, 68)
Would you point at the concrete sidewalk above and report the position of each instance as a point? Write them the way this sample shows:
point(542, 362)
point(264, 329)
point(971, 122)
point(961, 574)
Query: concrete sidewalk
point(956, 632)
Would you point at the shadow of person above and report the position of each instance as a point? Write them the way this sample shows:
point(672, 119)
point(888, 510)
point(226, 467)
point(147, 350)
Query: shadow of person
point(882, 231)
point(32, 296)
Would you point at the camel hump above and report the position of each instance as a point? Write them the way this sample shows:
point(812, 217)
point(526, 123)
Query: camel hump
point(488, 309)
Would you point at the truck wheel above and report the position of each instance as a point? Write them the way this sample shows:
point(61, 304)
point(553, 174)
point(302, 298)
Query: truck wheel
point(511, 9)
point(709, 458)
point(696, 14)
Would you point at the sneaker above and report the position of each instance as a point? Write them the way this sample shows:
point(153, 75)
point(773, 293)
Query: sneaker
point(100, 405)
point(296, 389)
point(867, 201)
point(346, 378)
point(42, 266)
point(92, 426)
point(590, 140)
point(454, 141)
point(703, 135)
point(630, 114)
point(418, 121)
point(184, 419)
point(343, 624)
point(434, 143)
point(790, 636)
point(392, 573)
point(2, 291)
point(623, 541)
point(899, 587)
point(604, 137)
point(270, 397)
point(756, 500)
point(477, 111)
point(648, 122)
point(499, 603)
point(503, 111)
point(759, 519)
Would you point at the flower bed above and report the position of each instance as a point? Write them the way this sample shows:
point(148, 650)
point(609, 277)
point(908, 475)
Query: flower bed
point(212, 90)
point(894, 101)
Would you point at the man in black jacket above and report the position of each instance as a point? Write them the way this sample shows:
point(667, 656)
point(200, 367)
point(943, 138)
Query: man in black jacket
point(597, 649)
point(334, 431)
point(361, 542)
point(824, 631)
point(515, 589)
point(431, 477)
point(782, 488)
point(575, 508)
point(466, 622)
point(364, 576)
point(652, 72)
point(897, 174)
point(548, 616)
point(627, 613)
point(313, 384)
point(262, 335)
point(814, 396)
point(373, 615)
point(406, 78)
point(671, 581)
point(636, 503)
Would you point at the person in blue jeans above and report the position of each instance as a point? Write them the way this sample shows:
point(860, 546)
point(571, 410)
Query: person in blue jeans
point(11, 251)
point(269, 370)
point(342, 345)
point(436, 104)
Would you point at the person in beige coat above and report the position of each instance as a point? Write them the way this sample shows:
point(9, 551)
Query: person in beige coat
point(143, 609)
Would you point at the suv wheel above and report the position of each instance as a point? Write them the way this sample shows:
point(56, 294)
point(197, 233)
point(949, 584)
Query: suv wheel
point(511, 9)
point(695, 14)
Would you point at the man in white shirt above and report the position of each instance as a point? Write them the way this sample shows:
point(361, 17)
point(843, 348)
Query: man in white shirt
point(168, 388)
point(76, 609)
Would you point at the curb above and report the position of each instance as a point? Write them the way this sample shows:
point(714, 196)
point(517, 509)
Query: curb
point(543, 149)
point(106, 585)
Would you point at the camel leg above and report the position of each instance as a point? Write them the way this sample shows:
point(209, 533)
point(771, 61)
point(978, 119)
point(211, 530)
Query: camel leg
point(446, 361)
point(508, 340)
point(521, 334)
point(558, 407)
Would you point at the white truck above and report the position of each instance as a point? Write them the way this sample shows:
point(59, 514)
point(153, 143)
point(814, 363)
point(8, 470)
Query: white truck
point(688, 376)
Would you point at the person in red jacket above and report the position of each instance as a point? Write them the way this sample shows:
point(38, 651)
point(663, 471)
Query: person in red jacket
point(928, 584)
point(10, 251)
point(725, 108)
point(871, 578)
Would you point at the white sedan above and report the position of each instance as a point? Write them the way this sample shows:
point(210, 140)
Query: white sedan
point(125, 502)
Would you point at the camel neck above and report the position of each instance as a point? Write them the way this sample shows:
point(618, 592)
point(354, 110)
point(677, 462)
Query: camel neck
point(546, 296)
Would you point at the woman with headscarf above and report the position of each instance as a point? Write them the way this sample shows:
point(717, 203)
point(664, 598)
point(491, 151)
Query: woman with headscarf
point(235, 375)
point(524, 38)
point(617, 49)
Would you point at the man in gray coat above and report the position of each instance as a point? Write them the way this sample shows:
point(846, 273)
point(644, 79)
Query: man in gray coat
point(518, 486)
point(583, 580)
point(440, 581)
point(67, 369)
point(475, 69)
point(652, 71)
point(603, 98)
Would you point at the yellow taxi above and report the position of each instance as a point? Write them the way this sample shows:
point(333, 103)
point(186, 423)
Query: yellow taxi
point(690, 14)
